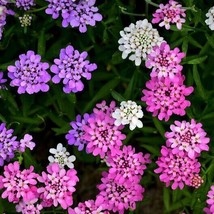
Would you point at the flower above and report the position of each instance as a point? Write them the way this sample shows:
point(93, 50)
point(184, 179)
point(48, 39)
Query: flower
point(3, 14)
point(165, 97)
point(8, 144)
point(74, 135)
point(18, 185)
point(26, 142)
point(170, 13)
point(2, 81)
point(71, 67)
point(29, 207)
point(137, 41)
point(210, 201)
point(127, 163)
point(87, 207)
point(25, 4)
point(187, 136)
point(75, 13)
point(165, 62)
point(118, 196)
point(128, 113)
point(58, 185)
point(210, 18)
point(101, 134)
point(196, 180)
point(176, 169)
point(61, 156)
point(29, 74)
point(25, 20)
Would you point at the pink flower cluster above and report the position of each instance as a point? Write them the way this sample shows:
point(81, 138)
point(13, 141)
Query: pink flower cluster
point(31, 191)
point(178, 164)
point(170, 13)
point(210, 201)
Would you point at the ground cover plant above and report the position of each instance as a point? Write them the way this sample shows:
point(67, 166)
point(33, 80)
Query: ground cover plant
point(106, 106)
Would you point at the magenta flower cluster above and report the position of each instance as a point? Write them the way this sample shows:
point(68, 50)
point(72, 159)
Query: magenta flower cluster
point(170, 13)
point(75, 13)
point(210, 201)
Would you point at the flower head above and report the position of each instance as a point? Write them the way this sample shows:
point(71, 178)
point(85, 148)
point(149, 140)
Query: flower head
point(210, 201)
point(26, 143)
point(25, 4)
point(2, 81)
point(176, 169)
point(118, 195)
point(18, 185)
point(74, 135)
point(25, 20)
point(138, 40)
point(29, 74)
point(3, 15)
point(196, 180)
point(71, 67)
point(165, 97)
point(128, 113)
point(210, 18)
point(61, 156)
point(165, 62)
point(58, 185)
point(29, 207)
point(187, 136)
point(170, 13)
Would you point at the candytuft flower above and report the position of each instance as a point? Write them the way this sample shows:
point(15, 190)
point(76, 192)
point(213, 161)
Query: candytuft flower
point(29, 207)
point(61, 156)
point(165, 97)
point(128, 113)
point(25, 4)
point(210, 201)
point(187, 136)
point(137, 41)
point(29, 74)
point(170, 13)
point(70, 68)
point(25, 20)
point(210, 18)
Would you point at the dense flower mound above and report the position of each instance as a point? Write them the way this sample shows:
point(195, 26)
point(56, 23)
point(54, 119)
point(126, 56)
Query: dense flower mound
point(25, 4)
point(29, 74)
point(170, 13)
point(164, 61)
point(165, 97)
point(3, 15)
point(210, 201)
point(187, 136)
point(88, 207)
point(128, 113)
point(61, 156)
point(71, 67)
point(127, 164)
point(118, 195)
point(58, 185)
point(176, 169)
point(18, 185)
point(75, 13)
point(29, 207)
point(74, 135)
point(210, 18)
point(101, 133)
point(196, 181)
point(137, 41)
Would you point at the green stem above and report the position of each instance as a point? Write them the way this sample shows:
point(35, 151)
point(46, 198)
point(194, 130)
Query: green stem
point(152, 3)
point(190, 8)
point(37, 10)
point(123, 10)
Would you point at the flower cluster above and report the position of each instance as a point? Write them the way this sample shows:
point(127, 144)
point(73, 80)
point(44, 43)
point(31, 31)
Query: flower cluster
point(25, 4)
point(29, 74)
point(165, 62)
point(29, 207)
point(137, 41)
point(165, 97)
point(128, 113)
point(210, 201)
point(25, 20)
point(3, 15)
point(9, 144)
point(71, 67)
point(75, 13)
point(170, 13)
point(210, 18)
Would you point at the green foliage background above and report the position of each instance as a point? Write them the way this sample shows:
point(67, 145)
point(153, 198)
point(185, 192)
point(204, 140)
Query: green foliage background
point(47, 115)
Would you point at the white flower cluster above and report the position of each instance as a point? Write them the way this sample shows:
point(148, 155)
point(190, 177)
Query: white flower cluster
point(210, 20)
point(25, 20)
point(138, 40)
point(128, 113)
point(61, 156)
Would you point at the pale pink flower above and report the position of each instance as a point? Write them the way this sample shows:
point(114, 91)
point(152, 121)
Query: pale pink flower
point(196, 181)
point(29, 207)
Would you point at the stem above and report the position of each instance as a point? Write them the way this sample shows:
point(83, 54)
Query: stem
point(190, 8)
point(152, 3)
point(123, 10)
point(36, 10)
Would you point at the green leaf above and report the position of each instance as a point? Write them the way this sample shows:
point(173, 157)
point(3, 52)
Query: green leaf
point(150, 148)
point(210, 39)
point(194, 60)
point(166, 198)
point(159, 126)
point(117, 96)
point(41, 43)
point(117, 58)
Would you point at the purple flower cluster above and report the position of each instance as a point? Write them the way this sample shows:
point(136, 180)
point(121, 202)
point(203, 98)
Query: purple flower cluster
point(25, 4)
point(29, 74)
point(9, 144)
point(75, 13)
point(71, 67)
point(3, 15)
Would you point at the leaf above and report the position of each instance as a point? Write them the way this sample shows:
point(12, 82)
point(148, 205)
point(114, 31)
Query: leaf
point(159, 126)
point(41, 43)
point(153, 150)
point(117, 96)
point(210, 39)
point(194, 60)
point(117, 58)
point(166, 198)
